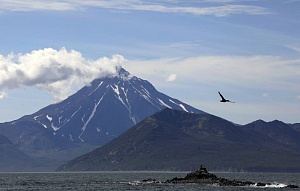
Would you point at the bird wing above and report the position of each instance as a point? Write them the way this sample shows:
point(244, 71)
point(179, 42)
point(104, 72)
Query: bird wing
point(221, 96)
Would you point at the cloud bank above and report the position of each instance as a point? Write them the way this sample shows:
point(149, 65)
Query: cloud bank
point(226, 8)
point(252, 72)
point(56, 71)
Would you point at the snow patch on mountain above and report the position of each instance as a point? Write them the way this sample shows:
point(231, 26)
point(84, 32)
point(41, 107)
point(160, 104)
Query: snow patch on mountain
point(70, 137)
point(164, 104)
point(90, 117)
point(146, 91)
point(59, 119)
point(35, 117)
point(124, 102)
point(146, 97)
point(49, 118)
point(180, 105)
point(45, 126)
point(54, 128)
point(116, 90)
point(75, 112)
point(96, 88)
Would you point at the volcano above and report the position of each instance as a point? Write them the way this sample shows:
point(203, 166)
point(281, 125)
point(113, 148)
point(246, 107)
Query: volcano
point(94, 115)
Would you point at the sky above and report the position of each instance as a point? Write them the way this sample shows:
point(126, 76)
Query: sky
point(249, 50)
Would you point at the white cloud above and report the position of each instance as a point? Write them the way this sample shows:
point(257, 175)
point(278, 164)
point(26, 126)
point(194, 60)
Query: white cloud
point(3, 95)
point(171, 78)
point(56, 71)
point(138, 5)
point(31, 5)
point(254, 72)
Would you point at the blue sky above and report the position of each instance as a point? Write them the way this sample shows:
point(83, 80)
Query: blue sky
point(247, 49)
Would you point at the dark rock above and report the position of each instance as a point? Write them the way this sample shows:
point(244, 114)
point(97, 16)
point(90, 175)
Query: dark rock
point(202, 176)
point(201, 173)
point(292, 186)
point(261, 184)
point(150, 180)
point(199, 176)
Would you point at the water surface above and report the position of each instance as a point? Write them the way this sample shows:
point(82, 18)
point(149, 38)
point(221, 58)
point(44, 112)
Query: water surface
point(120, 181)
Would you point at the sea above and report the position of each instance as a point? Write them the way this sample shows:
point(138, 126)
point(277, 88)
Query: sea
point(120, 181)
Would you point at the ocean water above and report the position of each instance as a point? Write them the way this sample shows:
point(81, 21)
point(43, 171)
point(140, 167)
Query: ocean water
point(119, 181)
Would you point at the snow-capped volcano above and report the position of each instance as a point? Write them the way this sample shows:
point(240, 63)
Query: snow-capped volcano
point(98, 112)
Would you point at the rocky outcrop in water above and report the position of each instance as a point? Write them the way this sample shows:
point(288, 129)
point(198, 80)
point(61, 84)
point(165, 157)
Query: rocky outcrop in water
point(202, 176)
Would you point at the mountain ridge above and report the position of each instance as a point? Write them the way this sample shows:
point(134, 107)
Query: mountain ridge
point(162, 143)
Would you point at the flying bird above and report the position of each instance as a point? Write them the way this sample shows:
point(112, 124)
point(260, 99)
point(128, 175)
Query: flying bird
point(223, 99)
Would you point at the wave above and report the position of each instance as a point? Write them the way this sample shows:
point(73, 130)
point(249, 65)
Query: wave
point(269, 185)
